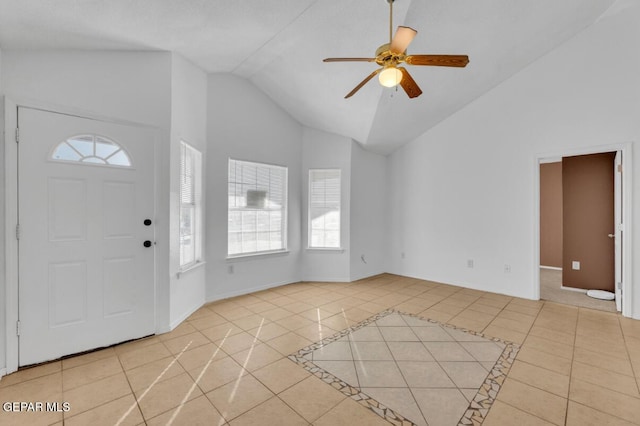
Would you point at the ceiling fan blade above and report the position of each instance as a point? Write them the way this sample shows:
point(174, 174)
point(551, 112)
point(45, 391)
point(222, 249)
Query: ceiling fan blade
point(349, 60)
point(438, 60)
point(362, 83)
point(409, 84)
point(402, 39)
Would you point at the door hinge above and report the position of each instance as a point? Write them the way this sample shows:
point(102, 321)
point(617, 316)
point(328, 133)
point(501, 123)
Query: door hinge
point(18, 232)
point(17, 134)
point(619, 168)
point(18, 328)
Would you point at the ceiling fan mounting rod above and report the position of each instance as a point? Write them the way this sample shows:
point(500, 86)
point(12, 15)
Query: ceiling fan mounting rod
point(390, 20)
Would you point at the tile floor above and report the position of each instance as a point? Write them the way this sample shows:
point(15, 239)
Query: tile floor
point(412, 371)
point(551, 289)
point(227, 364)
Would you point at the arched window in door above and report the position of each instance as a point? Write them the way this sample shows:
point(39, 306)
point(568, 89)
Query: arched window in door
point(91, 149)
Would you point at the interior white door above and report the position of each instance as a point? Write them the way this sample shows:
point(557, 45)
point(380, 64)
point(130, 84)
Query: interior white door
point(617, 214)
point(86, 279)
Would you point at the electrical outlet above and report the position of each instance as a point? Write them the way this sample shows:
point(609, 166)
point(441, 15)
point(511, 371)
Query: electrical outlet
point(230, 269)
point(507, 268)
point(470, 263)
point(575, 265)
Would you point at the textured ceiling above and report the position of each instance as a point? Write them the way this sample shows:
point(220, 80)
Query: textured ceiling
point(279, 46)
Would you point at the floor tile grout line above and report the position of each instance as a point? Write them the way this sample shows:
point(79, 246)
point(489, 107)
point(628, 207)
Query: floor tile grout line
point(580, 309)
point(509, 369)
point(600, 411)
point(204, 367)
point(573, 352)
point(345, 332)
point(62, 390)
point(137, 400)
point(107, 402)
point(405, 379)
point(33, 378)
point(626, 345)
point(508, 346)
point(529, 413)
point(296, 411)
point(353, 360)
point(101, 378)
point(542, 368)
point(123, 371)
point(448, 375)
point(400, 370)
point(617, 391)
point(539, 388)
point(523, 345)
point(196, 384)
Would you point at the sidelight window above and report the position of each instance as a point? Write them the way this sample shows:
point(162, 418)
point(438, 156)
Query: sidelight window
point(190, 206)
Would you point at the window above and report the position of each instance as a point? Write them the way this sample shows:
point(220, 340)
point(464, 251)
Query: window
point(190, 206)
point(92, 149)
point(257, 208)
point(324, 208)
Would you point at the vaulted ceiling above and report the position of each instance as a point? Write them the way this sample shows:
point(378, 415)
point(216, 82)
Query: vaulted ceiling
point(279, 46)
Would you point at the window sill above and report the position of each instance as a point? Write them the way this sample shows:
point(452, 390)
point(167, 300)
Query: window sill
point(189, 268)
point(326, 249)
point(259, 254)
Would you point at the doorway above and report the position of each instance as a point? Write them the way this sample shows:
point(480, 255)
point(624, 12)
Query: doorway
point(86, 232)
point(580, 229)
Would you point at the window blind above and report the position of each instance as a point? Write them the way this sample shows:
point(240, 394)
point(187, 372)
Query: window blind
point(324, 208)
point(190, 205)
point(257, 207)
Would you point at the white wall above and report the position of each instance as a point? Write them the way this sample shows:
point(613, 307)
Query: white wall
point(322, 150)
point(368, 213)
point(243, 123)
point(465, 189)
point(188, 124)
point(132, 86)
point(127, 86)
point(3, 359)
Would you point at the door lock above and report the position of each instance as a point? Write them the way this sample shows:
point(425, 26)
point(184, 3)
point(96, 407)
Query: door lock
point(147, 243)
point(147, 222)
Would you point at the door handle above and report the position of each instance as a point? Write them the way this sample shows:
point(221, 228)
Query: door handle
point(611, 235)
point(147, 243)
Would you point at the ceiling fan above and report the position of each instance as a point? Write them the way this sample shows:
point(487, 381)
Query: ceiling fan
point(390, 55)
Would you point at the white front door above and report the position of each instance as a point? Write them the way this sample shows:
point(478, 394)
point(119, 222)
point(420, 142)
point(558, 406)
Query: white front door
point(617, 232)
point(86, 209)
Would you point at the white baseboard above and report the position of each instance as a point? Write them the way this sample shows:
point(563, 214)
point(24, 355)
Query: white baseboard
point(365, 275)
point(326, 280)
point(184, 316)
point(3, 372)
point(555, 268)
point(230, 294)
point(577, 290)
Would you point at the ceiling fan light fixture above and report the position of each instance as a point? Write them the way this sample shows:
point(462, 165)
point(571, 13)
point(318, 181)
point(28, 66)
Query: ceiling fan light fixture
point(391, 56)
point(390, 77)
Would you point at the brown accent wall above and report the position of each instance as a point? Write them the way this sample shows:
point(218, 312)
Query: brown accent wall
point(587, 211)
point(551, 214)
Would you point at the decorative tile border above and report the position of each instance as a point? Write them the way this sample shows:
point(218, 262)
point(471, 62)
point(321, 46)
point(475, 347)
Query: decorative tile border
point(475, 413)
